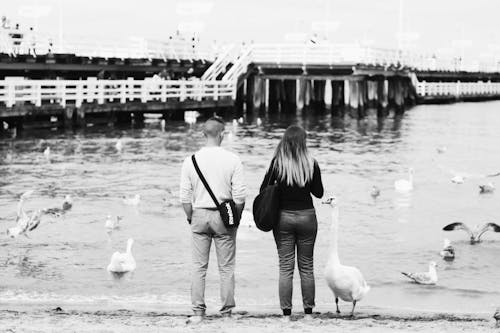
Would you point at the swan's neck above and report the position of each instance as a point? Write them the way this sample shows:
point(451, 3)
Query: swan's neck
point(129, 247)
point(334, 232)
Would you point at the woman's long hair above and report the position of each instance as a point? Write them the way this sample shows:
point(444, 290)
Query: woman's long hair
point(292, 162)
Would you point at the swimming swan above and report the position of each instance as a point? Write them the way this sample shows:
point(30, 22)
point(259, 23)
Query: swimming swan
point(475, 235)
point(112, 224)
point(429, 277)
point(346, 282)
point(24, 223)
point(123, 262)
point(405, 185)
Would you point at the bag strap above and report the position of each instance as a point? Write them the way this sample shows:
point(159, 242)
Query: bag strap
point(204, 181)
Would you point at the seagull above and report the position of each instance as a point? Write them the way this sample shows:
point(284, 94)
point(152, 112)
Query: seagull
point(119, 146)
point(58, 211)
point(123, 262)
point(441, 149)
point(475, 235)
point(259, 122)
point(111, 224)
point(458, 179)
point(429, 277)
point(486, 188)
point(448, 252)
point(46, 153)
point(496, 316)
point(240, 120)
point(235, 123)
point(405, 185)
point(134, 201)
point(375, 192)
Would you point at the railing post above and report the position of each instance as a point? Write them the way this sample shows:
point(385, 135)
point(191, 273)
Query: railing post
point(123, 92)
point(457, 91)
point(100, 92)
point(62, 92)
point(216, 91)
point(38, 96)
point(144, 92)
point(79, 94)
point(182, 91)
point(163, 92)
point(11, 94)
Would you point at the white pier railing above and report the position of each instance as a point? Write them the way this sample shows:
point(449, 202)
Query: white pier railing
point(352, 54)
point(77, 92)
point(458, 89)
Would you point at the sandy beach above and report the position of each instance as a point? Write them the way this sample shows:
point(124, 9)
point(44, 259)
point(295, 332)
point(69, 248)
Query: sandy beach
point(129, 321)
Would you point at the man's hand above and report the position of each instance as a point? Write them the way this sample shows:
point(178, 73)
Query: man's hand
point(239, 210)
point(188, 209)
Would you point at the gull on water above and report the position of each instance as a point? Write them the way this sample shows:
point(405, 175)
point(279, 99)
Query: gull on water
point(375, 192)
point(112, 224)
point(123, 262)
point(429, 277)
point(58, 211)
point(119, 145)
point(405, 185)
point(46, 153)
point(448, 251)
point(346, 282)
point(476, 233)
point(133, 201)
point(487, 188)
point(441, 149)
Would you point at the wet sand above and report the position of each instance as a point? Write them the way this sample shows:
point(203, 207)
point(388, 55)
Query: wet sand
point(129, 321)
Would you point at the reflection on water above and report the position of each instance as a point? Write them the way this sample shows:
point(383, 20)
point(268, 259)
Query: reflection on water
point(65, 259)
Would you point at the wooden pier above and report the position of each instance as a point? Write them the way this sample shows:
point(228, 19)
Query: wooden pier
point(288, 78)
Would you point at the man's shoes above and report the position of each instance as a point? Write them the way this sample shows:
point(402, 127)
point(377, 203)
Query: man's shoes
point(194, 320)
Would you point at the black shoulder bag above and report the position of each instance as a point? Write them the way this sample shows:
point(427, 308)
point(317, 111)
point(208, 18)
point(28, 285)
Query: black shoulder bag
point(227, 209)
point(266, 206)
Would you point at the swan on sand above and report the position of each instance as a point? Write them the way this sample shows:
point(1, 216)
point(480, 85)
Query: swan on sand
point(405, 185)
point(429, 277)
point(448, 251)
point(346, 282)
point(476, 233)
point(123, 262)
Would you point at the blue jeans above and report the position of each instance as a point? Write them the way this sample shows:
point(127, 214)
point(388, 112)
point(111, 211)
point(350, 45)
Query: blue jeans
point(206, 225)
point(296, 231)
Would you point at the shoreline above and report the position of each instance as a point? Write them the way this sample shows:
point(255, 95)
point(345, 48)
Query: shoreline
point(61, 320)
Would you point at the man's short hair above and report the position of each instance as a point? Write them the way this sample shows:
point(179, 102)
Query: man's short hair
point(213, 127)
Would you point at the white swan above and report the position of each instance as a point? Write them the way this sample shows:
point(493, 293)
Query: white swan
point(448, 252)
point(475, 235)
point(112, 224)
point(405, 185)
point(429, 277)
point(24, 223)
point(134, 201)
point(487, 188)
point(123, 262)
point(346, 282)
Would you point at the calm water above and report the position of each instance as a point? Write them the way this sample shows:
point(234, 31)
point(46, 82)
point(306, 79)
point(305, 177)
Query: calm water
point(64, 262)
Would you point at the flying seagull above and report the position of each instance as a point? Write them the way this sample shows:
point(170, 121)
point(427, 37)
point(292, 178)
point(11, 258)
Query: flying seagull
point(475, 235)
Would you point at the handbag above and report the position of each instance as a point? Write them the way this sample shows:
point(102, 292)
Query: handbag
point(266, 207)
point(227, 209)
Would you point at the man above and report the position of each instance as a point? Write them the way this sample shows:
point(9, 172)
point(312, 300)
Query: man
point(224, 174)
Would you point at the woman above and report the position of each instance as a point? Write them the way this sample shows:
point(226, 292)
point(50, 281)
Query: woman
point(298, 176)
